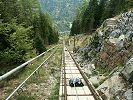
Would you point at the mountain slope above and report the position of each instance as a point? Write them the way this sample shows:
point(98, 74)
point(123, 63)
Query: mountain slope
point(62, 11)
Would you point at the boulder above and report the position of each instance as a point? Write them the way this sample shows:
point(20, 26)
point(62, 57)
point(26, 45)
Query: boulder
point(127, 72)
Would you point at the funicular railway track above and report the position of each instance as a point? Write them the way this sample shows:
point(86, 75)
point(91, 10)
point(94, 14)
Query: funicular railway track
point(70, 70)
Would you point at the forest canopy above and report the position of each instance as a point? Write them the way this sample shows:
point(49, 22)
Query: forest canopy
point(25, 30)
point(93, 12)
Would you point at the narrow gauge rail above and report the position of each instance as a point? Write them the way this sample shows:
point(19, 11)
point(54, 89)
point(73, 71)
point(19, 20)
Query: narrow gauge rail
point(69, 70)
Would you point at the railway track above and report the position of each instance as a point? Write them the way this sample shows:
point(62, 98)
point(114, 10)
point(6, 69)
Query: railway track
point(70, 69)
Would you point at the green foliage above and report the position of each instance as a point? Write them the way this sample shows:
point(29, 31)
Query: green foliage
point(100, 11)
point(112, 9)
point(129, 4)
point(26, 97)
point(8, 10)
point(75, 27)
point(47, 34)
point(16, 43)
point(24, 31)
point(62, 11)
point(91, 15)
point(53, 37)
point(20, 41)
point(55, 92)
point(88, 20)
point(115, 7)
point(5, 31)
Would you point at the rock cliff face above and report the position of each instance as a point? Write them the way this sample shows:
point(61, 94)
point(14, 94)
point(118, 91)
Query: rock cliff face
point(111, 47)
point(127, 71)
point(112, 44)
point(115, 87)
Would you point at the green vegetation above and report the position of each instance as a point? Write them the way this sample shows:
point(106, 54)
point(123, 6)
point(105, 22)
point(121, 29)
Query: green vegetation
point(92, 14)
point(55, 71)
point(41, 84)
point(25, 31)
point(55, 92)
point(62, 11)
point(13, 81)
point(43, 80)
point(26, 97)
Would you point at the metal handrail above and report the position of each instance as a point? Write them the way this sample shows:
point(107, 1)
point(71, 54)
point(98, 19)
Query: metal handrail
point(23, 65)
point(28, 78)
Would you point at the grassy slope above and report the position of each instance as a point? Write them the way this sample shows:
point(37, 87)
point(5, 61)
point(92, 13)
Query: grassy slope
point(36, 82)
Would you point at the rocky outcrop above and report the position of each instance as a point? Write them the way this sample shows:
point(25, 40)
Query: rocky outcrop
point(120, 89)
point(112, 43)
point(112, 48)
point(127, 71)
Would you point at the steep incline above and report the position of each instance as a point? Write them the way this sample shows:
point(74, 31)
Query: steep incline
point(57, 8)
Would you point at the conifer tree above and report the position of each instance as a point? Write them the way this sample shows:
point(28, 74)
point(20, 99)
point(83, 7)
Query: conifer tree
point(89, 16)
point(24, 28)
point(100, 11)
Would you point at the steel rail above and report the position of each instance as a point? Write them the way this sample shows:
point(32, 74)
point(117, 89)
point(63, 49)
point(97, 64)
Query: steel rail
point(61, 77)
point(74, 84)
point(29, 77)
point(65, 83)
point(89, 84)
point(22, 65)
point(62, 73)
